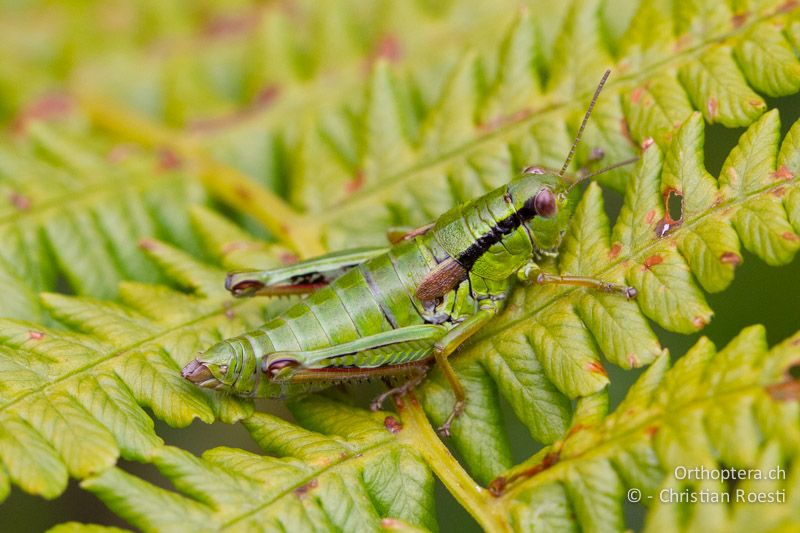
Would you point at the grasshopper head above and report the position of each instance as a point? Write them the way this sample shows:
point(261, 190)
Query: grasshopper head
point(539, 199)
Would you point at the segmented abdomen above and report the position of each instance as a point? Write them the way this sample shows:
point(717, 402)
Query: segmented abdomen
point(375, 297)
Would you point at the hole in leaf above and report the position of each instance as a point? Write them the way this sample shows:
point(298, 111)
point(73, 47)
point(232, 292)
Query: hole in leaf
point(674, 205)
point(25, 512)
point(789, 108)
point(519, 437)
point(673, 212)
point(794, 371)
point(721, 141)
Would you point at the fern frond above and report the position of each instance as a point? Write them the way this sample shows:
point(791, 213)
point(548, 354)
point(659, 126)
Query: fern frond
point(79, 214)
point(59, 386)
point(330, 169)
point(346, 472)
point(712, 409)
point(651, 101)
point(429, 129)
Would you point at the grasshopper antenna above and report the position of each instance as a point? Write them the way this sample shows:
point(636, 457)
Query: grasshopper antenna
point(601, 171)
point(583, 124)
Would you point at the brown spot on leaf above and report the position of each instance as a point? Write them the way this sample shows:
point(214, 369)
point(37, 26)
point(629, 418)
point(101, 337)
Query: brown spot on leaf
point(227, 25)
point(235, 246)
point(789, 389)
point(389, 48)
point(35, 335)
point(265, 98)
point(785, 391)
point(20, 201)
point(392, 425)
point(625, 130)
point(120, 152)
point(790, 236)
point(712, 107)
point(305, 489)
point(576, 428)
point(168, 159)
point(699, 322)
point(779, 192)
point(499, 484)
point(651, 431)
point(242, 192)
point(731, 258)
point(48, 107)
point(782, 173)
point(739, 19)
point(636, 94)
point(652, 261)
point(787, 6)
point(633, 361)
point(503, 120)
point(148, 244)
point(647, 143)
point(288, 258)
point(356, 183)
point(733, 177)
point(682, 42)
point(261, 101)
point(615, 250)
point(596, 367)
point(648, 218)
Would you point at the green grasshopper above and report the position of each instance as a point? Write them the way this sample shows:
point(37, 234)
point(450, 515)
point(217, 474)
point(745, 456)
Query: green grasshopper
point(391, 312)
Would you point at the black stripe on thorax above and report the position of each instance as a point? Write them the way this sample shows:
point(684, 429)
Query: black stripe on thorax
point(475, 250)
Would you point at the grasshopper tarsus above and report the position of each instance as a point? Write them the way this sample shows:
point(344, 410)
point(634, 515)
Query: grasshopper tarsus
point(377, 403)
point(458, 408)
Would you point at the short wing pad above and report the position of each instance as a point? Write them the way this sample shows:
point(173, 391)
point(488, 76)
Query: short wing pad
point(300, 278)
point(442, 279)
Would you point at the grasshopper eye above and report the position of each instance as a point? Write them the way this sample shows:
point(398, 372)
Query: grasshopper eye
point(274, 368)
point(543, 203)
point(533, 170)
